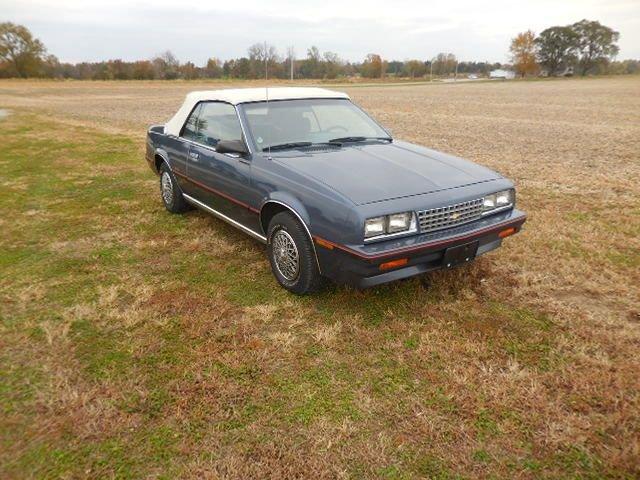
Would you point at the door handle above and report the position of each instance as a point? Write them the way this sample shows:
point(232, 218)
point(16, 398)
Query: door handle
point(194, 155)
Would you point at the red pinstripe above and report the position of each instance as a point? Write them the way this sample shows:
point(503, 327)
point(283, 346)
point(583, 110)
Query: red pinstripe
point(217, 192)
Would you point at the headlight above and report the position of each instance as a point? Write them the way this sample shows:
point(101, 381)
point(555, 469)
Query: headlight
point(399, 222)
point(390, 224)
point(489, 202)
point(497, 200)
point(503, 198)
point(374, 226)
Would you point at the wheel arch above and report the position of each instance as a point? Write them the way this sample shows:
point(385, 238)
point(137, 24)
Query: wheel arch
point(159, 158)
point(273, 206)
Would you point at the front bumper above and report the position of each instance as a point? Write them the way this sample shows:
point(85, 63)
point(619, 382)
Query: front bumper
point(360, 265)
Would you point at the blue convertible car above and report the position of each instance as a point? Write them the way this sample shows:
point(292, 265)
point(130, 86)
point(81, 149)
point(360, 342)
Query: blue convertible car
point(328, 190)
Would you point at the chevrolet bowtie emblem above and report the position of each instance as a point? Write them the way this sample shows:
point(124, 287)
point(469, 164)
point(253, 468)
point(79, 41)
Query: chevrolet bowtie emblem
point(454, 216)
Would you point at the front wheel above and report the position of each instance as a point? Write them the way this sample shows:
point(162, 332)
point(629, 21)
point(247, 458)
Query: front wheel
point(291, 254)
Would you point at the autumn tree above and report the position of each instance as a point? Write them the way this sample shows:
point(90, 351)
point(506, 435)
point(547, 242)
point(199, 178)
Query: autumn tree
point(189, 71)
point(143, 70)
point(263, 60)
point(596, 43)
point(373, 66)
point(414, 68)
point(312, 65)
point(556, 48)
point(332, 65)
point(213, 69)
point(444, 63)
point(23, 54)
point(166, 66)
point(523, 53)
point(236, 67)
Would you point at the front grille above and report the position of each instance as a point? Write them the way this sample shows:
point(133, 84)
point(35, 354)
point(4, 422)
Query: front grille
point(450, 216)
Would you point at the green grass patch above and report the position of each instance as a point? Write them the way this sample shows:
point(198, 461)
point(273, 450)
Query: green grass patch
point(139, 344)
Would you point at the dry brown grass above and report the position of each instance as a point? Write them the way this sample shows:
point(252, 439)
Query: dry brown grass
point(126, 357)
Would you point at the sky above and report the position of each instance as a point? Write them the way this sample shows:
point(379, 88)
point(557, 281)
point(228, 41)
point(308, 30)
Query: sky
point(85, 30)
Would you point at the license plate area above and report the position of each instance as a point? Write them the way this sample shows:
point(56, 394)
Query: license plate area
point(460, 254)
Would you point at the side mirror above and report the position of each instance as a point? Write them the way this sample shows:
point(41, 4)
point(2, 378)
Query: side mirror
point(231, 146)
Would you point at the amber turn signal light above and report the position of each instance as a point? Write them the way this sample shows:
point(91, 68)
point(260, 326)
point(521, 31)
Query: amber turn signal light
point(506, 232)
point(324, 243)
point(393, 264)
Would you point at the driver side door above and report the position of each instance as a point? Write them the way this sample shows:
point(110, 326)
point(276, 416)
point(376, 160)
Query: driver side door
point(221, 181)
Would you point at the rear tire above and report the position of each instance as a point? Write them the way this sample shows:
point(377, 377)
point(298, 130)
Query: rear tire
point(170, 191)
point(291, 254)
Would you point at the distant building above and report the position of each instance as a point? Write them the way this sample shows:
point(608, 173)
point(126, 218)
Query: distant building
point(507, 74)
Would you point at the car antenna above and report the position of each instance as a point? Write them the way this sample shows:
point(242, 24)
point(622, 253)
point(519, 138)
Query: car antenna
point(266, 89)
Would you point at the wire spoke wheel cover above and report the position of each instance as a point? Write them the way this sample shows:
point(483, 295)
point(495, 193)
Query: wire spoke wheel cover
point(167, 188)
point(285, 255)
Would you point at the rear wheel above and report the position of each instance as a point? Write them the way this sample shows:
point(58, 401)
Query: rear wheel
point(291, 254)
point(170, 191)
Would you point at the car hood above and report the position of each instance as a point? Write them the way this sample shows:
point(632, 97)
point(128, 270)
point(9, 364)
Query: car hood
point(374, 172)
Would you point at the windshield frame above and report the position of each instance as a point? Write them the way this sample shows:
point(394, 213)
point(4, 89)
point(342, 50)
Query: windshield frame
point(248, 131)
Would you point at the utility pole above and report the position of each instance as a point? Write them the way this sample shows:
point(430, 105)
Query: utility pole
point(431, 74)
point(292, 55)
point(266, 62)
point(455, 77)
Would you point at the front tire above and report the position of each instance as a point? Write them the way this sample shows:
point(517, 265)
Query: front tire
point(170, 191)
point(291, 254)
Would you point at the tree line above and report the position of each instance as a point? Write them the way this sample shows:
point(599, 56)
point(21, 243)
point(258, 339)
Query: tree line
point(22, 55)
point(587, 44)
point(584, 47)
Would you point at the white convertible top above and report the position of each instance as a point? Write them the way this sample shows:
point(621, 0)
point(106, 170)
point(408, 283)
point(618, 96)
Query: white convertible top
point(243, 95)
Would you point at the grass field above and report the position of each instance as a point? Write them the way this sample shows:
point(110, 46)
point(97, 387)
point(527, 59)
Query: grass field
point(139, 344)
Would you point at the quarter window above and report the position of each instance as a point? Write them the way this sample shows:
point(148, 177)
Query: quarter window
point(217, 121)
point(189, 130)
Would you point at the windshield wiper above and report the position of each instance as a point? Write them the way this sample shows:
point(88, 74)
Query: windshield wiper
point(333, 142)
point(358, 139)
point(284, 146)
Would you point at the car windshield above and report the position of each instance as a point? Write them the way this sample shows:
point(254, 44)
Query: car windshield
point(298, 123)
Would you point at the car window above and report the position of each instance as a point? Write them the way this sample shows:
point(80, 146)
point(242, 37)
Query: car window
point(217, 121)
point(189, 129)
point(308, 120)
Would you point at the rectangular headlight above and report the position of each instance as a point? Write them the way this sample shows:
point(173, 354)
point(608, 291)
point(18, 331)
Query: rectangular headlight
point(503, 198)
point(399, 222)
point(374, 227)
point(390, 224)
point(498, 200)
point(489, 202)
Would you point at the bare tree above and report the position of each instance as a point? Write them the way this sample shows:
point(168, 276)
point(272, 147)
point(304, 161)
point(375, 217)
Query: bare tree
point(261, 54)
point(166, 65)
